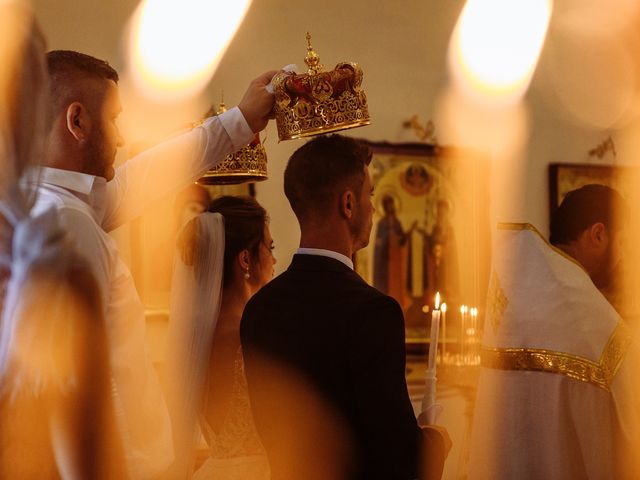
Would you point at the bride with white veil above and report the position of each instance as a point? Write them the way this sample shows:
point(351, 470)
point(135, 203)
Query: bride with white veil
point(224, 257)
point(53, 360)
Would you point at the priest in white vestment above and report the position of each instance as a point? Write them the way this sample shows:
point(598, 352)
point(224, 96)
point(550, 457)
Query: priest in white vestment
point(555, 398)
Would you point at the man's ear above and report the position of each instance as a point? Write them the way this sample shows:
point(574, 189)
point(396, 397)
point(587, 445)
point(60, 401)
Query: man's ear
point(598, 234)
point(347, 204)
point(78, 122)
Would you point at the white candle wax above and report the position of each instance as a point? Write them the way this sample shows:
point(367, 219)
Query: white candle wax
point(429, 397)
point(474, 320)
point(444, 331)
point(476, 336)
point(463, 333)
point(433, 345)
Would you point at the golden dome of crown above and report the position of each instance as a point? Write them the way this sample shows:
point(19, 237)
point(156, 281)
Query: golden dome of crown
point(319, 102)
point(249, 164)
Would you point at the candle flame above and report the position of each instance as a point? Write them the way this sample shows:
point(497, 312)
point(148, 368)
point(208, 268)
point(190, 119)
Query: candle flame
point(444, 308)
point(437, 301)
point(496, 45)
point(175, 47)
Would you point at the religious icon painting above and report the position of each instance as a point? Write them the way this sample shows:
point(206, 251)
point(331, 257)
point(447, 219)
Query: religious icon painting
point(430, 230)
point(564, 177)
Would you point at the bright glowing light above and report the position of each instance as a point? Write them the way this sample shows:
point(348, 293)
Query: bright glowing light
point(437, 300)
point(444, 308)
point(492, 125)
point(175, 46)
point(595, 90)
point(496, 45)
point(598, 17)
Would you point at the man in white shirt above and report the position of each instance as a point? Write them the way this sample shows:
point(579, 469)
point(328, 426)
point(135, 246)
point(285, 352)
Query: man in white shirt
point(93, 198)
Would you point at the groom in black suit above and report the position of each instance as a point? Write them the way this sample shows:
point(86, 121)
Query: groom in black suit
point(324, 352)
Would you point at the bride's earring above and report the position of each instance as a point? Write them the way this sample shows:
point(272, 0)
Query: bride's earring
point(246, 274)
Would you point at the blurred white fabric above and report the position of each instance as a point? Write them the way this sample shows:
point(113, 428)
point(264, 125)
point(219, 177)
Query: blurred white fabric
point(89, 207)
point(555, 397)
point(49, 379)
point(196, 294)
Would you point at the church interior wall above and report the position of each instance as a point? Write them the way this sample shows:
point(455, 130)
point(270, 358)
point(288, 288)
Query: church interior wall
point(401, 47)
point(583, 91)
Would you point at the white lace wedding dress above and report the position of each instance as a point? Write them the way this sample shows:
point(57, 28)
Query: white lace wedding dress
point(235, 450)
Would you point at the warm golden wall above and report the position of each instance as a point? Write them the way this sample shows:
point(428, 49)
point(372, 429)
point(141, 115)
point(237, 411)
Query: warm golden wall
point(574, 100)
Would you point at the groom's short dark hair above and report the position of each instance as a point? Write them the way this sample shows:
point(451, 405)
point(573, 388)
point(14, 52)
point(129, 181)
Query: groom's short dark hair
point(320, 169)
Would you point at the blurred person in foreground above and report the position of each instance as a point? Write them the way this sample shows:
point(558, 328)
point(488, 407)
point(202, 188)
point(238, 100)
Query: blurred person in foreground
point(324, 351)
point(92, 198)
point(56, 417)
point(224, 257)
point(557, 396)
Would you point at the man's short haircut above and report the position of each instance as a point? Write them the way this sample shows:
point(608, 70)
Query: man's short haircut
point(67, 68)
point(584, 207)
point(319, 170)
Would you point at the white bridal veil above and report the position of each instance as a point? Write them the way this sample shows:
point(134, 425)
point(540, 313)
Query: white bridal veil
point(196, 294)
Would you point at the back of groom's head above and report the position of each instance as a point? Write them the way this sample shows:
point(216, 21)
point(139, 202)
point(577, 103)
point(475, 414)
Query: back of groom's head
point(320, 170)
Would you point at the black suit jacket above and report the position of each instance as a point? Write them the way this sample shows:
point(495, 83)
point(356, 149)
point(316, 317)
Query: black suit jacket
point(347, 340)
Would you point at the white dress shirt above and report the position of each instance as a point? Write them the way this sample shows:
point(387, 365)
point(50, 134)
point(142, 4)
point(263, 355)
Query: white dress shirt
point(326, 253)
point(90, 207)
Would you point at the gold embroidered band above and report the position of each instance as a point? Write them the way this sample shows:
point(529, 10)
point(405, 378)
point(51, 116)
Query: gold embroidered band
point(579, 368)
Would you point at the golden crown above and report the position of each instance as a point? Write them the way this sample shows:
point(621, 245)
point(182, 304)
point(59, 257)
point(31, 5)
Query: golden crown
point(249, 164)
point(319, 102)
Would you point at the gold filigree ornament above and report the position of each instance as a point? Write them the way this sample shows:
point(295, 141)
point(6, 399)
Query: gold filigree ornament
point(249, 164)
point(319, 102)
point(497, 302)
point(600, 373)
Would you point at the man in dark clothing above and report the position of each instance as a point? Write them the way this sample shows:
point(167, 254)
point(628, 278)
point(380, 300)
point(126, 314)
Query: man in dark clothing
point(324, 351)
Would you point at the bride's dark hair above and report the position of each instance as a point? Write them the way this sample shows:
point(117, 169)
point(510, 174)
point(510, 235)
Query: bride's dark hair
point(244, 220)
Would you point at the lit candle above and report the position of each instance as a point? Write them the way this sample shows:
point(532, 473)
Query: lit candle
point(429, 398)
point(474, 328)
point(474, 320)
point(435, 329)
point(463, 315)
point(443, 309)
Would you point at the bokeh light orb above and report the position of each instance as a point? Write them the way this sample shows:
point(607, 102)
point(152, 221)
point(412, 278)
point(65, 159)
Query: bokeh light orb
point(496, 45)
point(175, 46)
